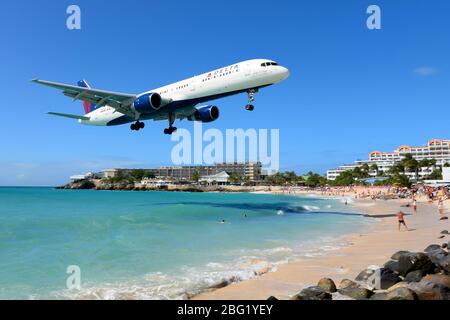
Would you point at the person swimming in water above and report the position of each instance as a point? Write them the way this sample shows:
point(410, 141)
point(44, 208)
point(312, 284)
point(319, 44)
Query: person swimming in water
point(222, 221)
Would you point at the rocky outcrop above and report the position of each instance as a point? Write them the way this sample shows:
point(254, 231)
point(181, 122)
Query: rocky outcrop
point(346, 283)
point(414, 276)
point(432, 247)
point(125, 185)
point(364, 275)
point(401, 294)
point(388, 278)
point(412, 261)
point(430, 290)
point(407, 276)
point(327, 285)
point(312, 293)
point(356, 293)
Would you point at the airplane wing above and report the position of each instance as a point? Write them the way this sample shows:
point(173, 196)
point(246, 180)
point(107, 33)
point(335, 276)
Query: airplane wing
point(66, 115)
point(117, 100)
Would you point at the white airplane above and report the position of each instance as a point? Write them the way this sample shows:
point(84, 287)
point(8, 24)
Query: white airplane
point(174, 101)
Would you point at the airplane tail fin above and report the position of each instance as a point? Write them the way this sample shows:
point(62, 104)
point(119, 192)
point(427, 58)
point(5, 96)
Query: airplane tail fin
point(88, 106)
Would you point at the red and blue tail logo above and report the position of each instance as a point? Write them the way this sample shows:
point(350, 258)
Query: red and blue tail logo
point(88, 106)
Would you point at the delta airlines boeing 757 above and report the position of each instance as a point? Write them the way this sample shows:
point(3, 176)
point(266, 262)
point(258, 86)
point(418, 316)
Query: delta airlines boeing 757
point(174, 101)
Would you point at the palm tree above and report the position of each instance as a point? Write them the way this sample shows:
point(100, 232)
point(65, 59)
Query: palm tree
point(195, 176)
point(234, 177)
point(374, 167)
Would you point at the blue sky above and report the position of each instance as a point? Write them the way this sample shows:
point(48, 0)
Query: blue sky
point(351, 90)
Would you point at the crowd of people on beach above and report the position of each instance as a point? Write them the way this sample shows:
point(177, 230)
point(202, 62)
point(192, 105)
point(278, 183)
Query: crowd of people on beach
point(424, 193)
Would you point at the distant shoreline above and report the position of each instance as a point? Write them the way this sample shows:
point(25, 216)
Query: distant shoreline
point(125, 186)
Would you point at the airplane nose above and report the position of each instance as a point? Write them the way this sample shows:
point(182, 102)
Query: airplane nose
point(284, 72)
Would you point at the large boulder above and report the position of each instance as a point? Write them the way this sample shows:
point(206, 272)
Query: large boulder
point(346, 283)
point(327, 284)
point(392, 265)
point(441, 260)
point(413, 261)
point(379, 296)
point(429, 290)
point(356, 293)
point(401, 293)
point(388, 278)
point(432, 247)
point(414, 276)
point(437, 256)
point(398, 254)
point(440, 279)
point(402, 284)
point(364, 275)
point(312, 293)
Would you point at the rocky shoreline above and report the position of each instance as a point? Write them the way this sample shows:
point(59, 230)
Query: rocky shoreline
point(406, 276)
point(126, 186)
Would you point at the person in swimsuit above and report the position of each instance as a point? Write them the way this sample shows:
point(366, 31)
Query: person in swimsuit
point(441, 206)
point(401, 220)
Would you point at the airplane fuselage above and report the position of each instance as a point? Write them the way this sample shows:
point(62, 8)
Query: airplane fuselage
point(184, 95)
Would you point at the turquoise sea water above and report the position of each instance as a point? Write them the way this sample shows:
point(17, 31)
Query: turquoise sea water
point(154, 245)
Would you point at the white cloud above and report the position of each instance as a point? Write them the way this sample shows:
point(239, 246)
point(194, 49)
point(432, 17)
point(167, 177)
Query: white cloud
point(425, 71)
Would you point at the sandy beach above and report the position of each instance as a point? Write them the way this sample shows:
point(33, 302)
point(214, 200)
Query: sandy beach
point(373, 247)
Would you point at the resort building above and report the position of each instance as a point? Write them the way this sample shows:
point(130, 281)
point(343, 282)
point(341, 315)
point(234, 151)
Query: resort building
point(436, 149)
point(332, 174)
point(250, 171)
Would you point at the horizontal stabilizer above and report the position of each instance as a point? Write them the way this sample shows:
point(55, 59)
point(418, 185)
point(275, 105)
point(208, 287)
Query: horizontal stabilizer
point(66, 115)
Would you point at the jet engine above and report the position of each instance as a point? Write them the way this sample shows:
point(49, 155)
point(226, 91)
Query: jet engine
point(205, 114)
point(148, 102)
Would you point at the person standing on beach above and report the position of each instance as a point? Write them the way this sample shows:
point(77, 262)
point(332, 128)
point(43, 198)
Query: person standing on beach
point(401, 220)
point(441, 207)
point(415, 204)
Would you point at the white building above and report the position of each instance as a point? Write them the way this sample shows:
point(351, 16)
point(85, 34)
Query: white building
point(435, 149)
point(84, 176)
point(219, 178)
point(445, 179)
point(154, 182)
point(332, 174)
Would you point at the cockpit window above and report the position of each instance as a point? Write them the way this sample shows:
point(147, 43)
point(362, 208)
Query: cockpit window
point(266, 64)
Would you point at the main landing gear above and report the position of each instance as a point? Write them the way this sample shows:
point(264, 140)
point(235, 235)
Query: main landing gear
point(137, 126)
point(251, 97)
point(171, 129)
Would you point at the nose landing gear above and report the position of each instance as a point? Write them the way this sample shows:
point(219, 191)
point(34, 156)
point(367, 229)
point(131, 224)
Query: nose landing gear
point(137, 126)
point(251, 97)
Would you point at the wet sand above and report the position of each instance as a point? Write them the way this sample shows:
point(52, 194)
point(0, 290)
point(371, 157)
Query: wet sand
point(374, 247)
